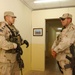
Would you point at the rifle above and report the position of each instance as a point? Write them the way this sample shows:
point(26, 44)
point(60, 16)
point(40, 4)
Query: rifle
point(71, 59)
point(19, 59)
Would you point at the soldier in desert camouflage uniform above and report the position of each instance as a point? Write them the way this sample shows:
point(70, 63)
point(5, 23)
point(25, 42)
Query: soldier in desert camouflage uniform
point(61, 46)
point(8, 63)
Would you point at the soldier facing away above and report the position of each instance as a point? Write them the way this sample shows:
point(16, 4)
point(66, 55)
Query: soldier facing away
point(10, 42)
point(61, 48)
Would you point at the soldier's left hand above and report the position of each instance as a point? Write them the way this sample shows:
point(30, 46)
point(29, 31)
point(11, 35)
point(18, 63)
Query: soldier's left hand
point(27, 43)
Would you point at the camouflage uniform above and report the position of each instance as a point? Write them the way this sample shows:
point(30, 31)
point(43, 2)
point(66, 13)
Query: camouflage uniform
point(62, 47)
point(8, 63)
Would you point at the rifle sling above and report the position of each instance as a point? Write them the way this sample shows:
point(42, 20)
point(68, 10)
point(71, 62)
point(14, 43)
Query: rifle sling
point(10, 30)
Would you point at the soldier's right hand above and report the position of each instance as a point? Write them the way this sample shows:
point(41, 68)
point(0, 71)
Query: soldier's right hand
point(53, 53)
point(15, 45)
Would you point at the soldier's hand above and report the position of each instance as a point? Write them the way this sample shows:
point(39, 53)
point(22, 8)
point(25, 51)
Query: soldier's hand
point(53, 53)
point(26, 42)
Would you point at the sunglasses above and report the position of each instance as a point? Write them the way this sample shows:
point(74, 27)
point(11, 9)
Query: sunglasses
point(62, 19)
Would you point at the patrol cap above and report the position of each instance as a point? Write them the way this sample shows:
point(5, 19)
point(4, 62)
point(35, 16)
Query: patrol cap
point(66, 15)
point(9, 13)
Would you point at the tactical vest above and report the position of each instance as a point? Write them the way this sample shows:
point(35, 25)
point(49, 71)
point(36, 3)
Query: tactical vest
point(15, 37)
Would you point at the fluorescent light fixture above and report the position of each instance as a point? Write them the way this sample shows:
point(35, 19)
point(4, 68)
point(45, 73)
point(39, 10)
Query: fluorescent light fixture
point(59, 28)
point(46, 1)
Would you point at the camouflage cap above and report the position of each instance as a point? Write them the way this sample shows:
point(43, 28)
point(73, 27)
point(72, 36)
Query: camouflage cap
point(66, 15)
point(9, 13)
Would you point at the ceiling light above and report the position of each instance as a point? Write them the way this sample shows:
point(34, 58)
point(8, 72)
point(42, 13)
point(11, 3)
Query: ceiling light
point(46, 1)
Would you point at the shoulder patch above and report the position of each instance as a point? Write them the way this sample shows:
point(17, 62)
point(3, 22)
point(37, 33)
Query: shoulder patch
point(2, 26)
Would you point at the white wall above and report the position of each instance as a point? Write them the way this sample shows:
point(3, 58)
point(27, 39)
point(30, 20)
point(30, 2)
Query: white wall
point(22, 23)
point(38, 21)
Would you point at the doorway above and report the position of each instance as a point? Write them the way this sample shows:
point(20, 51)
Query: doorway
point(51, 30)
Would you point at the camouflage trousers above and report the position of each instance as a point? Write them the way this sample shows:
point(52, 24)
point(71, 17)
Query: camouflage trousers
point(9, 69)
point(67, 71)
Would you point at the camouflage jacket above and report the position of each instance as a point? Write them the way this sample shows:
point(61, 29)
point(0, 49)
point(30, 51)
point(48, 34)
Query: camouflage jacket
point(63, 42)
point(5, 44)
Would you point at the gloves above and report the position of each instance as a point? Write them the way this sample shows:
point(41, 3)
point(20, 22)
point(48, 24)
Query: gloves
point(26, 42)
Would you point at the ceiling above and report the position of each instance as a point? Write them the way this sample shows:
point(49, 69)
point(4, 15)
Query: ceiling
point(49, 5)
point(60, 4)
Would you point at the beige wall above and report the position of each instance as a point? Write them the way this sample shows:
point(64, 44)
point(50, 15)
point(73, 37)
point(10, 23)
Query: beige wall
point(38, 21)
point(22, 23)
point(34, 56)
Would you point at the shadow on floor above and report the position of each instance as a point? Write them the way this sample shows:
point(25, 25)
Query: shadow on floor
point(51, 68)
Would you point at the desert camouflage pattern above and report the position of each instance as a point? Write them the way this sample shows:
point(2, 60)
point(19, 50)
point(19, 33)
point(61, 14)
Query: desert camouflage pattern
point(62, 46)
point(8, 64)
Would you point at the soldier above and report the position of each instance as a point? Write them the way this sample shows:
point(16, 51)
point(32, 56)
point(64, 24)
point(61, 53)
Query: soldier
point(61, 46)
point(8, 61)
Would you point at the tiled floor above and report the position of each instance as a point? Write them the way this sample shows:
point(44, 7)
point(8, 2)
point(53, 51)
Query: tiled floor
point(51, 68)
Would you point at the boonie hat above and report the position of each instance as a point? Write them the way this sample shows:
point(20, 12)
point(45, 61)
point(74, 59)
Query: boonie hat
point(9, 13)
point(66, 15)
